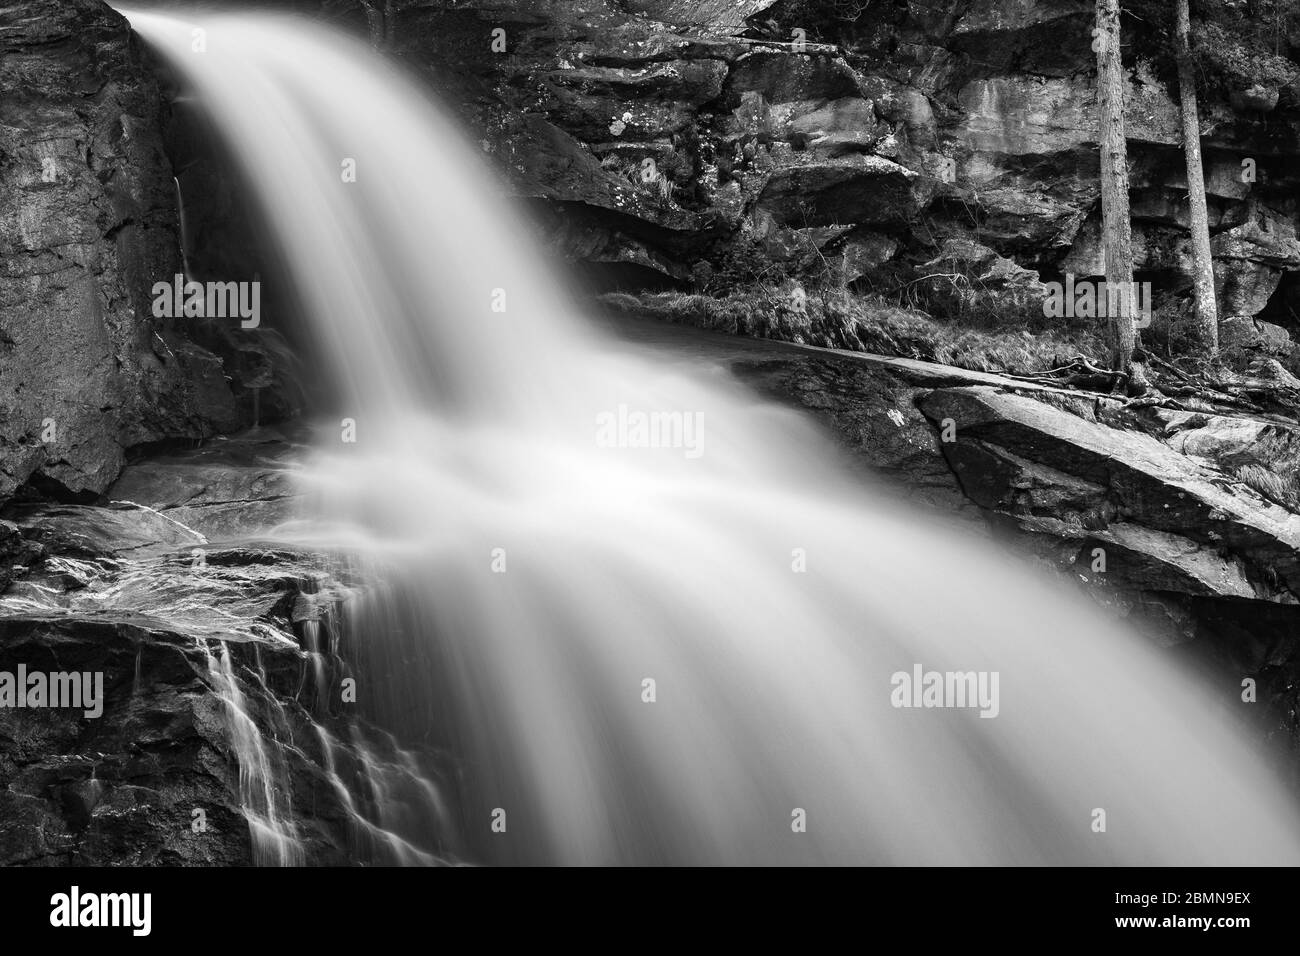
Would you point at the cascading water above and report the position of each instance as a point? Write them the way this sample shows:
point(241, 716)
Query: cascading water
point(540, 572)
point(264, 802)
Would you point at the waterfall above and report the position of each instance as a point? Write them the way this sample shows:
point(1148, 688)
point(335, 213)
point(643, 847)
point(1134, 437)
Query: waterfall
point(262, 782)
point(649, 615)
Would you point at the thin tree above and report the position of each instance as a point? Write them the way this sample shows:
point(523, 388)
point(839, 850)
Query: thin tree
point(1116, 229)
point(1206, 310)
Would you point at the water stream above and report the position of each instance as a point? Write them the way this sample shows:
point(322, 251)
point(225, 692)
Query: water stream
point(675, 654)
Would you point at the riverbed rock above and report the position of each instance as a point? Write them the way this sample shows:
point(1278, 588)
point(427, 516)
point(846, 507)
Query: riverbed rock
point(221, 655)
point(1137, 480)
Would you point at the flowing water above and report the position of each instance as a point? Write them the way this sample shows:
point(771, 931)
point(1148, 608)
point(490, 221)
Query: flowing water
point(675, 654)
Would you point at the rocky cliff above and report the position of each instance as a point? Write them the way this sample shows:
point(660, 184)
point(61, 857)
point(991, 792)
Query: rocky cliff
point(696, 144)
point(88, 223)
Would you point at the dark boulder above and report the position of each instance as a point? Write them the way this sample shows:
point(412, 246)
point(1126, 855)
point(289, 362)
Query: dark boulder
point(87, 225)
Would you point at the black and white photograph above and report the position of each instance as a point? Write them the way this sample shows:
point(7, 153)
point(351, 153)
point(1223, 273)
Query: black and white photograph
point(506, 435)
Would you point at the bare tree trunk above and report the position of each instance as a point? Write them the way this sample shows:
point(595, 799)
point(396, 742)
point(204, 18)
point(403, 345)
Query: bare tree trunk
point(1207, 310)
point(1116, 229)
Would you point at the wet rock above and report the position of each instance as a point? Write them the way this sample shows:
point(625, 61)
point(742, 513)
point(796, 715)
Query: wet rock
point(873, 416)
point(87, 223)
point(1146, 482)
point(223, 738)
point(155, 778)
point(231, 486)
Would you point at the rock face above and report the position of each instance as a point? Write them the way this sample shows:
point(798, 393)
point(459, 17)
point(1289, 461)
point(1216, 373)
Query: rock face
point(88, 223)
point(1180, 525)
point(903, 124)
point(123, 787)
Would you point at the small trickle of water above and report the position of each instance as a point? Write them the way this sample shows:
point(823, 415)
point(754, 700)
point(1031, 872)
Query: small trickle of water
point(263, 777)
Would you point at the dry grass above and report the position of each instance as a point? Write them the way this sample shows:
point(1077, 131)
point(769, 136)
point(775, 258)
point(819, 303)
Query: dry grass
point(841, 319)
point(1280, 489)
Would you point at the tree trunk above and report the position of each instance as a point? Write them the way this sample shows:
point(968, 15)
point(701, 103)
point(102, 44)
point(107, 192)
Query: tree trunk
point(1207, 311)
point(1116, 229)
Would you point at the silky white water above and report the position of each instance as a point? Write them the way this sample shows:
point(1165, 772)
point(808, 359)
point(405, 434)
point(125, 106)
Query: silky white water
point(538, 570)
